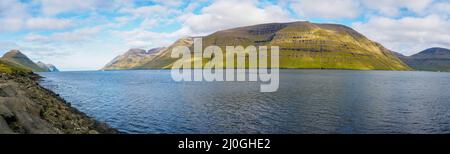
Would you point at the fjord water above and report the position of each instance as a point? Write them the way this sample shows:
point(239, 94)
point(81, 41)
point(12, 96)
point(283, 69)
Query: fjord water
point(307, 101)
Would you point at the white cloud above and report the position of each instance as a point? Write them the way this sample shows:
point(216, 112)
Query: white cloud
point(5, 46)
point(89, 56)
point(14, 16)
point(11, 24)
point(327, 9)
point(442, 8)
point(338, 9)
point(47, 28)
point(150, 15)
point(34, 52)
point(17, 24)
point(48, 23)
point(13, 9)
point(149, 11)
point(223, 14)
point(172, 3)
point(140, 38)
point(408, 35)
point(393, 7)
point(12, 13)
point(54, 7)
point(75, 36)
point(148, 23)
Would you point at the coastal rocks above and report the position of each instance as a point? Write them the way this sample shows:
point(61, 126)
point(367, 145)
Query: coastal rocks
point(4, 127)
point(26, 107)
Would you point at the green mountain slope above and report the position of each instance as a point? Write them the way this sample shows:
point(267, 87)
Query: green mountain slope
point(302, 45)
point(433, 59)
point(132, 58)
point(16, 58)
point(7, 67)
point(163, 59)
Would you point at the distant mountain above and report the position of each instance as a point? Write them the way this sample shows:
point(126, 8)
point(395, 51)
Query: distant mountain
point(18, 59)
point(52, 68)
point(47, 67)
point(163, 59)
point(132, 58)
point(433, 59)
point(302, 45)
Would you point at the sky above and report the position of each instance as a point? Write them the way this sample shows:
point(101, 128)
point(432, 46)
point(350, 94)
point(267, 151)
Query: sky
point(87, 34)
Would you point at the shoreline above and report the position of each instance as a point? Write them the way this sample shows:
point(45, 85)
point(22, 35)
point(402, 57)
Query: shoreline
point(28, 108)
point(269, 68)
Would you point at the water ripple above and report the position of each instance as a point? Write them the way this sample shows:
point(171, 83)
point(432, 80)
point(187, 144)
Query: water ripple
point(308, 101)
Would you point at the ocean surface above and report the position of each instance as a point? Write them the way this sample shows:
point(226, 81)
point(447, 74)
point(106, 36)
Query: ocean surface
point(307, 101)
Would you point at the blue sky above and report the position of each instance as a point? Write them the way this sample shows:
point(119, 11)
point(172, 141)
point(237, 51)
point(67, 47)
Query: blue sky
point(86, 34)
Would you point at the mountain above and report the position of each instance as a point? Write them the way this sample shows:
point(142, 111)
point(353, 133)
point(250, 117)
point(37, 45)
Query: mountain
point(8, 67)
point(163, 59)
point(132, 58)
point(52, 68)
point(18, 59)
point(432, 59)
point(302, 45)
point(47, 67)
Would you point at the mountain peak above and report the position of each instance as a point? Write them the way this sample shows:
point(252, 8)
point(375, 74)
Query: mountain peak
point(39, 62)
point(132, 58)
point(15, 51)
point(439, 48)
point(302, 45)
point(432, 59)
point(141, 52)
point(14, 54)
point(136, 50)
point(435, 52)
point(185, 41)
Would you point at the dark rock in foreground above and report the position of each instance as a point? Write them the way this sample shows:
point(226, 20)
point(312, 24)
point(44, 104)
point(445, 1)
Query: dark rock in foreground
point(27, 108)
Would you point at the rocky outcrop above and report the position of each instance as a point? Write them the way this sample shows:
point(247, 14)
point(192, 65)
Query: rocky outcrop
point(27, 108)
